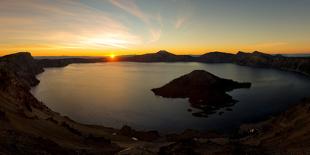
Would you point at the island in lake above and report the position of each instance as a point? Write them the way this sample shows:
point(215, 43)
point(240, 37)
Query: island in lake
point(204, 90)
point(154, 77)
point(29, 127)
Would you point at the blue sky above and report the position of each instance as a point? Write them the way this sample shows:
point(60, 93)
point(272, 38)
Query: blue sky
point(101, 27)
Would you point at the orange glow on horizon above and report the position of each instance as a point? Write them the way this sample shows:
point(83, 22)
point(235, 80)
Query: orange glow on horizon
point(112, 56)
point(102, 53)
point(129, 27)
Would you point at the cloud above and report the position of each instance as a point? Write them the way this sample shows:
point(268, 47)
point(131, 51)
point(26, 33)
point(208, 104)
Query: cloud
point(155, 35)
point(61, 24)
point(115, 40)
point(132, 8)
point(180, 22)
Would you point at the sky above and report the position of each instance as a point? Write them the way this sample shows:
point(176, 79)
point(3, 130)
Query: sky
point(125, 27)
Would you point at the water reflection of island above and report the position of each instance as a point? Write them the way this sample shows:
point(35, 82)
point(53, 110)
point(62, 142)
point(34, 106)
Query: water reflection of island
point(205, 91)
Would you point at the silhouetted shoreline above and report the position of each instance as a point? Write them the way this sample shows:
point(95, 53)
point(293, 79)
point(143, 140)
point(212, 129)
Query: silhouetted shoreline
point(28, 126)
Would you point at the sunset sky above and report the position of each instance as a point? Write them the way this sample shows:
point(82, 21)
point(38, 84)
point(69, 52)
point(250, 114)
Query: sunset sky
point(121, 27)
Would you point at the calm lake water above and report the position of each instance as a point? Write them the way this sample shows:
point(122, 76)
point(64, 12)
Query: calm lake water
point(117, 94)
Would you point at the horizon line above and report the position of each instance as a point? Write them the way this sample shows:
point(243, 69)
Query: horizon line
point(106, 55)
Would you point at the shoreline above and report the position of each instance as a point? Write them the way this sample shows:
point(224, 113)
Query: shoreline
point(21, 107)
point(165, 132)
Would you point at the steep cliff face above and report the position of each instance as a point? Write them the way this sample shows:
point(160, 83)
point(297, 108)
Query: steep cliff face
point(23, 65)
point(17, 74)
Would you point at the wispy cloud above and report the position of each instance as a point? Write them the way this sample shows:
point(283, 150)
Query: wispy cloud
point(60, 23)
point(180, 22)
point(132, 8)
point(156, 34)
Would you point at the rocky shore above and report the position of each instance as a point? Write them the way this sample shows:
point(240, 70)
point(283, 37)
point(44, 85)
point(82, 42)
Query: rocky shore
point(29, 127)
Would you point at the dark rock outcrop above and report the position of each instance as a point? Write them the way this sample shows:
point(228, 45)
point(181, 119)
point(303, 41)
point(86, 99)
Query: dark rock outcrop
point(193, 134)
point(204, 90)
point(2, 115)
point(196, 147)
point(23, 65)
point(17, 74)
point(12, 142)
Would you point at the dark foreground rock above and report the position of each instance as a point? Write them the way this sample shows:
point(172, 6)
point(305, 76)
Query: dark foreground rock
point(140, 135)
point(287, 133)
point(204, 90)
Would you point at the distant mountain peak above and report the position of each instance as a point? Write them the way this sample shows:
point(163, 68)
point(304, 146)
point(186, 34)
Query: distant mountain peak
point(164, 52)
point(261, 53)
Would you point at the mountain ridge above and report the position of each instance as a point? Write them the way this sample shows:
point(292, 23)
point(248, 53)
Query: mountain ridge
point(255, 59)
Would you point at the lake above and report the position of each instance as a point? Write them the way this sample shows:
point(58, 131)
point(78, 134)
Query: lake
point(119, 93)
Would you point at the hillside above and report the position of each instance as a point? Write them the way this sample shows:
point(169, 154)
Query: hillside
point(29, 127)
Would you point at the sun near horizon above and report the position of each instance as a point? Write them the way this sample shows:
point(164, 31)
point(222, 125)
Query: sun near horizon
point(112, 56)
point(127, 27)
